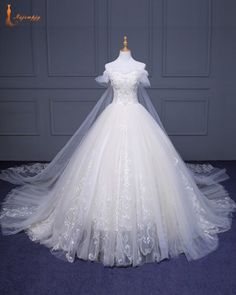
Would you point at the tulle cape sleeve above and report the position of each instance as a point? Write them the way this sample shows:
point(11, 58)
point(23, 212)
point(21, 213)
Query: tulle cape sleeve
point(55, 168)
point(143, 79)
point(40, 188)
point(144, 98)
point(103, 79)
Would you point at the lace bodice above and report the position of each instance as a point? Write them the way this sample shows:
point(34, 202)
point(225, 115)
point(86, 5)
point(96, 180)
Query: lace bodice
point(125, 85)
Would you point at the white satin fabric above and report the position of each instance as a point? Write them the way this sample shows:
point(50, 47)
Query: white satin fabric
point(125, 196)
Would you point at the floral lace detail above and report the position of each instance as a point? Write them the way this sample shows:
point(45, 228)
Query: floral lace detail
point(207, 185)
point(19, 212)
point(200, 168)
point(97, 226)
point(30, 169)
point(125, 86)
point(89, 236)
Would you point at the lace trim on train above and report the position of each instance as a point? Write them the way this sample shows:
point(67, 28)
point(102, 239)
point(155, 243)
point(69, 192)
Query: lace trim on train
point(33, 169)
point(147, 237)
point(27, 170)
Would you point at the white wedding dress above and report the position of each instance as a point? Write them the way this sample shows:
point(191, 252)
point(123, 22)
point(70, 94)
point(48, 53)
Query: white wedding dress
point(120, 193)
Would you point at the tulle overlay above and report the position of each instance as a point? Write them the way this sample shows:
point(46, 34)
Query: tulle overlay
point(123, 205)
point(125, 197)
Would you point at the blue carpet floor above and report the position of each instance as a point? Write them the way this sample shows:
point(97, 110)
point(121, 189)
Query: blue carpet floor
point(27, 268)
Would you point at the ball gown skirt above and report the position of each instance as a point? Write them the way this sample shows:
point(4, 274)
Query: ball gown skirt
point(125, 196)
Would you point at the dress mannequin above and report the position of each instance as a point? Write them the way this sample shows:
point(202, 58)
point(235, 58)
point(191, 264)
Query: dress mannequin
point(125, 63)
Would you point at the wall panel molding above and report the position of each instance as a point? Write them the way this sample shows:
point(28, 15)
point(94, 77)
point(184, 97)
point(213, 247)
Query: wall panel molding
point(55, 101)
point(52, 73)
point(20, 119)
point(31, 39)
point(206, 71)
point(203, 130)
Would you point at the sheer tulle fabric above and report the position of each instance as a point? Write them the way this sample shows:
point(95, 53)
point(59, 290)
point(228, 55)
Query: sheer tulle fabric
point(119, 192)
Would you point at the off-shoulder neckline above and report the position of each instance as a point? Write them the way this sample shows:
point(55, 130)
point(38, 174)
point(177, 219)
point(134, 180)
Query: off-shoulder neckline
point(130, 72)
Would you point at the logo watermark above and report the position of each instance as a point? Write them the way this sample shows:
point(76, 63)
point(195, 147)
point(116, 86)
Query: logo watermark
point(12, 21)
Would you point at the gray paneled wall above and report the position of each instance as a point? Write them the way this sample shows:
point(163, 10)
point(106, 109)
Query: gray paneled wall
point(47, 71)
